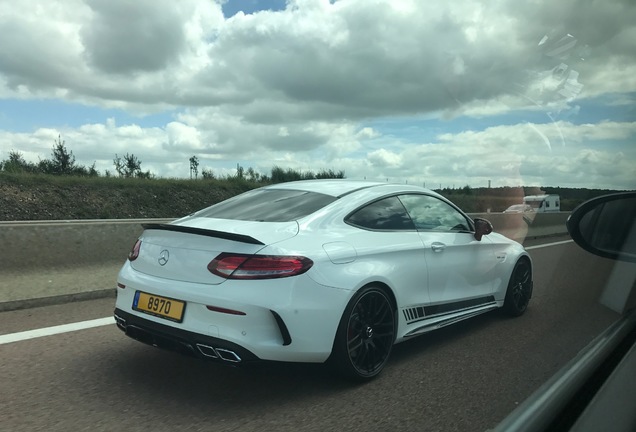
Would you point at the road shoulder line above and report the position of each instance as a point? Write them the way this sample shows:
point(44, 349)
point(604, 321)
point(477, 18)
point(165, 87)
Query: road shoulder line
point(50, 331)
point(549, 244)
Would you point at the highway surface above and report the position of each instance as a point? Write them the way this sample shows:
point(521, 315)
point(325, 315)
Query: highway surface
point(466, 377)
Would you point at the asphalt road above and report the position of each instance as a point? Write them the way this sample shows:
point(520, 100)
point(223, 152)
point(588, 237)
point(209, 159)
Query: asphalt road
point(466, 377)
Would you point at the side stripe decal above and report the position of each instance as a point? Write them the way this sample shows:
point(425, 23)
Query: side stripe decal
point(417, 313)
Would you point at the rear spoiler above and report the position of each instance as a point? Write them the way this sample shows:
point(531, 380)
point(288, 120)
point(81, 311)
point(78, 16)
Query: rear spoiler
point(205, 232)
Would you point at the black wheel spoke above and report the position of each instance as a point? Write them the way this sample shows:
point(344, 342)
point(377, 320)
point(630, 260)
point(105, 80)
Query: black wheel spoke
point(370, 359)
point(380, 316)
point(381, 336)
point(519, 289)
point(354, 343)
point(370, 333)
point(365, 355)
point(518, 297)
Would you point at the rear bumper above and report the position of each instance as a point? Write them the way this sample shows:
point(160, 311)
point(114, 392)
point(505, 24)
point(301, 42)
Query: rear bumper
point(293, 319)
point(182, 341)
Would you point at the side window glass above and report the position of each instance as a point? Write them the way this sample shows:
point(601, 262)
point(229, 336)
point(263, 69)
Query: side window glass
point(430, 213)
point(385, 214)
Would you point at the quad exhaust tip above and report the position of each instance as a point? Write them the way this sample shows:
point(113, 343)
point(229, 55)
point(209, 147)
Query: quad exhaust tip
point(121, 323)
point(219, 353)
point(206, 350)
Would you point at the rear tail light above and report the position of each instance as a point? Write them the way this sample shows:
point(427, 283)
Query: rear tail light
point(134, 252)
point(239, 266)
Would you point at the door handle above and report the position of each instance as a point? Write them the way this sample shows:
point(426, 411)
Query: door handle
point(438, 247)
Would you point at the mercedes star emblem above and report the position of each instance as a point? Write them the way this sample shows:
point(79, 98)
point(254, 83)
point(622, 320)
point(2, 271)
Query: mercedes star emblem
point(164, 256)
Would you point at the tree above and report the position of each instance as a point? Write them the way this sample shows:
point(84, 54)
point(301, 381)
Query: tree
point(92, 171)
point(129, 166)
point(133, 165)
point(207, 174)
point(119, 165)
point(46, 166)
point(17, 164)
point(194, 166)
point(330, 174)
point(145, 174)
point(62, 161)
point(252, 175)
point(280, 175)
point(240, 171)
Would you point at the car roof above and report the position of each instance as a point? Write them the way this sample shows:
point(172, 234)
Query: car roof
point(338, 187)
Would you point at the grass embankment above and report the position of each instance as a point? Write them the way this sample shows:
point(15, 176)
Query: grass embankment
point(47, 197)
point(50, 197)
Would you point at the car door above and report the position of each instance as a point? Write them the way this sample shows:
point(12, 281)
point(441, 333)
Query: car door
point(460, 269)
point(390, 246)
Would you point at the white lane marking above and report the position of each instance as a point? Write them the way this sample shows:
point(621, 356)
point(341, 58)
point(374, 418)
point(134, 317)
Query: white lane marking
point(49, 331)
point(549, 244)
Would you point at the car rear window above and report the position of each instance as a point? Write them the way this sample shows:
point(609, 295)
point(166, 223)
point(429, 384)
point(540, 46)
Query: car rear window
point(269, 205)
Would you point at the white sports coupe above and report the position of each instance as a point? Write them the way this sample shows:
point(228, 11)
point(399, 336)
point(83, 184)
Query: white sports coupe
point(316, 271)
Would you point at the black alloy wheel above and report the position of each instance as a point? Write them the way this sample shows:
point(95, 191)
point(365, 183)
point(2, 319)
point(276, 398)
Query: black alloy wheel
point(519, 289)
point(365, 335)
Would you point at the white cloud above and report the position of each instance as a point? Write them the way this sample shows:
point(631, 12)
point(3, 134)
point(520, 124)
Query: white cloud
point(299, 87)
point(384, 159)
point(516, 155)
point(378, 58)
point(183, 137)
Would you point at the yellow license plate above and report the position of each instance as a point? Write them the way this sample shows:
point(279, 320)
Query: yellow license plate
point(162, 307)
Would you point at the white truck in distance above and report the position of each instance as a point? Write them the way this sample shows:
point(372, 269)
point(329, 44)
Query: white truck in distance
point(543, 203)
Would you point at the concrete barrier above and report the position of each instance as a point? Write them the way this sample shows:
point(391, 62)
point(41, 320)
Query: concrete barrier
point(49, 262)
point(52, 262)
point(55, 244)
point(520, 227)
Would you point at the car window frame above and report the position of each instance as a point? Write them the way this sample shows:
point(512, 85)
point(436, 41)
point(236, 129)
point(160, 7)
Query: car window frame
point(346, 219)
point(469, 222)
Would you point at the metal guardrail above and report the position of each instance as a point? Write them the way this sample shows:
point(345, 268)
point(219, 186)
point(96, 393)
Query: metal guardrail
point(82, 222)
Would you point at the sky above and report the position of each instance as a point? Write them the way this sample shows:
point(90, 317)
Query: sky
point(436, 93)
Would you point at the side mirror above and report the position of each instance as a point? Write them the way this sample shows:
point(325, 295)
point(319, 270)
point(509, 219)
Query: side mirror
point(606, 226)
point(482, 227)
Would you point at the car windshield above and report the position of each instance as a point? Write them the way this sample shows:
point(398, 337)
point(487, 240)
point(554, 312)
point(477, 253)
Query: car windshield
point(269, 205)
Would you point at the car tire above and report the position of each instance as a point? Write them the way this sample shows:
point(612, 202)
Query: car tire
point(519, 289)
point(365, 335)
